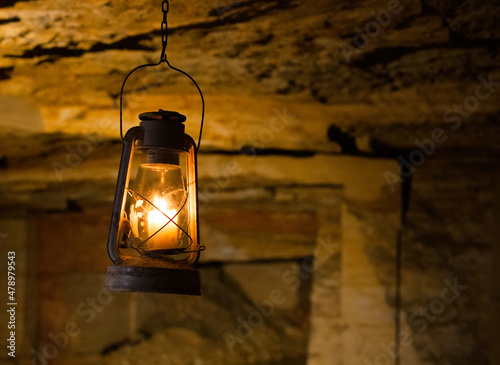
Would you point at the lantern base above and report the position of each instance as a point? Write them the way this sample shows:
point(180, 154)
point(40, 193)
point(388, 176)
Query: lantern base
point(168, 279)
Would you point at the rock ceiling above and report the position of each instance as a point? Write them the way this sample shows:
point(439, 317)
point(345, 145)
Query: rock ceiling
point(340, 76)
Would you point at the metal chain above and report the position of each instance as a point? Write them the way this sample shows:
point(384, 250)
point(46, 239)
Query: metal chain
point(164, 30)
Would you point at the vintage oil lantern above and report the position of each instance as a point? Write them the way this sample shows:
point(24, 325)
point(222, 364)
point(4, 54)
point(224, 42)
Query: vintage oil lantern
point(153, 238)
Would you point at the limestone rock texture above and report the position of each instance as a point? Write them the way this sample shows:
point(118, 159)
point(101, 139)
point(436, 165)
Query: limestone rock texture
point(348, 179)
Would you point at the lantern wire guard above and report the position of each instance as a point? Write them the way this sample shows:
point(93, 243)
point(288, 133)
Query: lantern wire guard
point(161, 138)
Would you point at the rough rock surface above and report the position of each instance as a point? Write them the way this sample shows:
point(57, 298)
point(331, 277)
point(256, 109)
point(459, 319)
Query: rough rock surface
point(310, 107)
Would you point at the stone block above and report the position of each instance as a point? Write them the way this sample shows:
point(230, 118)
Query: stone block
point(89, 316)
point(74, 241)
point(368, 345)
point(259, 231)
point(270, 283)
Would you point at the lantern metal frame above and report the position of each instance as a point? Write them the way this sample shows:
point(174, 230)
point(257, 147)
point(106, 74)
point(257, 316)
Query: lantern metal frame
point(160, 138)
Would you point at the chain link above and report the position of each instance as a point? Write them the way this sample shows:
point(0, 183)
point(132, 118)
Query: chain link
point(164, 30)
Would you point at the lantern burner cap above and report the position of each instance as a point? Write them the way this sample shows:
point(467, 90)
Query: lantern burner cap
point(163, 129)
point(161, 114)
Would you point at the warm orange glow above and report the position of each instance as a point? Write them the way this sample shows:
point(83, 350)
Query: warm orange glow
point(167, 237)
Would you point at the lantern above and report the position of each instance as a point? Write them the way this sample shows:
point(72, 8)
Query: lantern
point(153, 237)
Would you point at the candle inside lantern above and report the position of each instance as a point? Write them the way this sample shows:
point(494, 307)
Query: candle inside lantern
point(166, 237)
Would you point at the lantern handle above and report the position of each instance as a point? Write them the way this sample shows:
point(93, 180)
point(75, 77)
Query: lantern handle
point(163, 58)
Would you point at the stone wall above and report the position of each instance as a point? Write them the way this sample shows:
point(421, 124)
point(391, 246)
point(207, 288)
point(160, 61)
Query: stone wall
point(348, 179)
